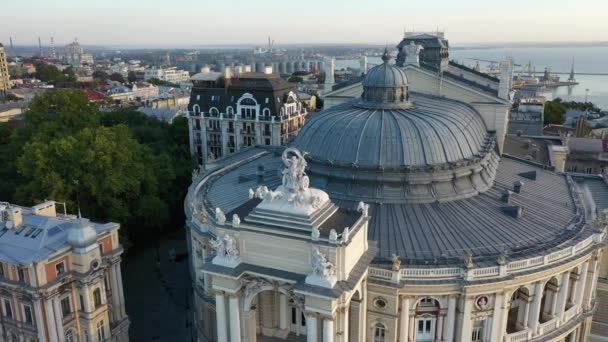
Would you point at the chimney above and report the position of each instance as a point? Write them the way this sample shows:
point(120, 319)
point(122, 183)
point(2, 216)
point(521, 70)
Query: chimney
point(514, 211)
point(14, 217)
point(506, 196)
point(517, 186)
point(45, 209)
point(268, 69)
point(247, 68)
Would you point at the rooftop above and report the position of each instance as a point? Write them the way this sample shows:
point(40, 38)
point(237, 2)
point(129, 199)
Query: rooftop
point(443, 233)
point(39, 236)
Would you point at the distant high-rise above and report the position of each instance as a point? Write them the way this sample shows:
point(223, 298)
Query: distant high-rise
point(75, 56)
point(4, 76)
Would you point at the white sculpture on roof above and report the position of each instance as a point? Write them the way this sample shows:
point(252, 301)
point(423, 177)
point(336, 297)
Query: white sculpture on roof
point(219, 216)
point(236, 221)
point(295, 179)
point(320, 265)
point(412, 53)
point(227, 252)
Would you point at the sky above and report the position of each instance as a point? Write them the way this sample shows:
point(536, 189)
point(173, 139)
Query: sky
point(227, 22)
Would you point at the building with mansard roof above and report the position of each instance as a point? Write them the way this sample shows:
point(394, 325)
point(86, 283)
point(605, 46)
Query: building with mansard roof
point(231, 111)
point(395, 216)
point(60, 277)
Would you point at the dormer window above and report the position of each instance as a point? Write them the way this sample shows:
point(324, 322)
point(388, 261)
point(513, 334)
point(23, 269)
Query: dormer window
point(60, 268)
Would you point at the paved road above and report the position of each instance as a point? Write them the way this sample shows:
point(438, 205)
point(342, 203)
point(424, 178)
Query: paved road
point(158, 300)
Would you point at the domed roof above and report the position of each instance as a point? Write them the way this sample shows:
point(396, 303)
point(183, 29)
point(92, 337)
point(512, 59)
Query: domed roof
point(429, 133)
point(385, 75)
point(82, 234)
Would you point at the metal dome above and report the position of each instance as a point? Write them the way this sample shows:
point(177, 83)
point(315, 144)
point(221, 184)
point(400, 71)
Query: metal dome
point(385, 75)
point(82, 234)
point(385, 86)
point(432, 132)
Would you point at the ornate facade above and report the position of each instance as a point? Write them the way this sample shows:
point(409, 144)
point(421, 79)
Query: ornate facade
point(230, 112)
point(60, 277)
point(400, 220)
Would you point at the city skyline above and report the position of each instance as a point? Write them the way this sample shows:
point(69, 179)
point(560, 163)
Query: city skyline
point(192, 23)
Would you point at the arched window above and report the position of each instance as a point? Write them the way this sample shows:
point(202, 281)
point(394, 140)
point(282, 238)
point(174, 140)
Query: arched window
point(214, 111)
point(266, 112)
point(379, 332)
point(196, 109)
point(69, 336)
point(229, 110)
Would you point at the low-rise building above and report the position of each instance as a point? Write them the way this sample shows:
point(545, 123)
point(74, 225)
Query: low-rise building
point(60, 277)
point(172, 75)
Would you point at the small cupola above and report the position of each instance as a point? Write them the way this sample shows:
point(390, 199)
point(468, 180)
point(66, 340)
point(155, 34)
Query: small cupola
point(82, 235)
point(385, 86)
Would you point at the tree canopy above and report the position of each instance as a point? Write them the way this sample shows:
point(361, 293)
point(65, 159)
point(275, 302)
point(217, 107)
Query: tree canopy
point(52, 74)
point(118, 166)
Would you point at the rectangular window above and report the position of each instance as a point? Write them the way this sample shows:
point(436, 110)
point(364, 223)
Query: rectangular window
point(1, 270)
point(8, 309)
point(294, 315)
point(65, 307)
point(81, 303)
point(420, 326)
point(60, 268)
point(101, 333)
point(97, 297)
point(21, 274)
point(27, 314)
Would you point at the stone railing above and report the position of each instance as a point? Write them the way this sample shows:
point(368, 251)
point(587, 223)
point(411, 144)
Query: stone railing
point(548, 326)
point(492, 271)
point(523, 335)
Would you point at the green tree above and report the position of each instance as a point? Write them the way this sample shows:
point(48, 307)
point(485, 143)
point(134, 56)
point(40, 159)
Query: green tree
point(132, 76)
point(100, 75)
point(295, 79)
point(555, 112)
point(117, 77)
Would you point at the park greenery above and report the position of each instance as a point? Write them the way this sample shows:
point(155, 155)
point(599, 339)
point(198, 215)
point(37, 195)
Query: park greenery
point(555, 111)
point(119, 166)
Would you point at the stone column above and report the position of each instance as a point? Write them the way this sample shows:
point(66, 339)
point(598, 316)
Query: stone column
point(235, 321)
point(525, 320)
point(363, 313)
point(497, 329)
point(580, 284)
point(311, 328)
point(115, 296)
point(58, 318)
point(439, 328)
point(50, 320)
point(562, 295)
point(38, 317)
point(535, 308)
point(404, 319)
point(203, 136)
point(355, 311)
point(593, 273)
point(328, 330)
point(345, 317)
point(224, 136)
point(282, 311)
point(121, 293)
point(466, 332)
point(220, 317)
point(449, 327)
point(86, 298)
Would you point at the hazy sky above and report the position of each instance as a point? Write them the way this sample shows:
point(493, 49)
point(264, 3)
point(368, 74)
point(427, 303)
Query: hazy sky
point(196, 22)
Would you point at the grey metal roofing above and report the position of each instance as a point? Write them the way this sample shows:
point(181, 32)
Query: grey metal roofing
point(39, 237)
point(426, 40)
point(473, 71)
point(443, 233)
point(433, 131)
point(385, 75)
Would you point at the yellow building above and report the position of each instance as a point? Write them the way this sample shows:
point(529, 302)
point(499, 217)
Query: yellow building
point(4, 76)
point(60, 277)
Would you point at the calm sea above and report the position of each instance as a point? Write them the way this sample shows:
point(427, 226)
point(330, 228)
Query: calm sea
point(593, 59)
